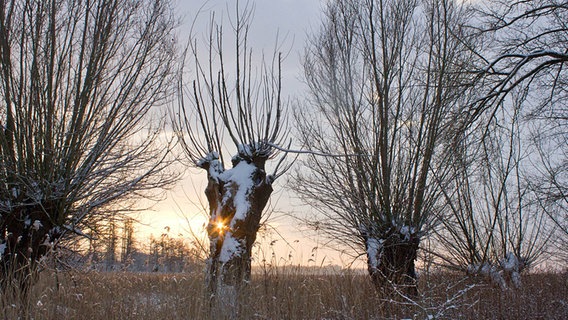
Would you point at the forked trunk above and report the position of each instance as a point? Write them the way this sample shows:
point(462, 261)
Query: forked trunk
point(237, 198)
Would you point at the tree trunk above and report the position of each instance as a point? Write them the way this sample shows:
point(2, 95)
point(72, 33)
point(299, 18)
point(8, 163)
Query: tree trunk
point(26, 235)
point(390, 262)
point(237, 198)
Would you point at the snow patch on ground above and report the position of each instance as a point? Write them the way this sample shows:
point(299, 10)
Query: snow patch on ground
point(226, 300)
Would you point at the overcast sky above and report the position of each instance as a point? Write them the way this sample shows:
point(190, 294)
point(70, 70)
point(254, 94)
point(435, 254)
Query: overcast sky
point(288, 20)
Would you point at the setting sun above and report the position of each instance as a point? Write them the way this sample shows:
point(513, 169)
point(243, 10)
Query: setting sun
point(221, 227)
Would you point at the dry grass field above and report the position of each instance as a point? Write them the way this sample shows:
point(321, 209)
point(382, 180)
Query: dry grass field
point(289, 295)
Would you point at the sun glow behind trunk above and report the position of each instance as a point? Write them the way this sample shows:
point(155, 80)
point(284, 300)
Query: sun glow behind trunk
point(281, 242)
point(221, 227)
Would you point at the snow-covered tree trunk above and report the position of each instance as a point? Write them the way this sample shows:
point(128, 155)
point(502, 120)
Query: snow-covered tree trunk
point(390, 260)
point(386, 84)
point(251, 114)
point(504, 274)
point(237, 198)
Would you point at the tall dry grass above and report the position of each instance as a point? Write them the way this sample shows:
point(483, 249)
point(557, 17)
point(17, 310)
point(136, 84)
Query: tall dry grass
point(288, 294)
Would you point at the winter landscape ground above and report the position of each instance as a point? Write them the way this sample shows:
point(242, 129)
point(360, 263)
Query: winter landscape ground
point(426, 133)
point(290, 295)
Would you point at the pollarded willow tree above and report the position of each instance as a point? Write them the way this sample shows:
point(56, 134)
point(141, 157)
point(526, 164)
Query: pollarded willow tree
point(386, 81)
point(240, 102)
point(493, 224)
point(78, 81)
point(530, 53)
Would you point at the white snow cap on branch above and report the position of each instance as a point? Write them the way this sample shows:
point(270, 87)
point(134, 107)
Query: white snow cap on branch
point(35, 193)
point(407, 232)
point(512, 266)
point(215, 166)
point(37, 224)
point(510, 262)
point(211, 156)
point(246, 149)
point(71, 228)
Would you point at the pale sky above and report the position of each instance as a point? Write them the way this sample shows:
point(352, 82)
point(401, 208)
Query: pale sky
point(288, 20)
point(291, 21)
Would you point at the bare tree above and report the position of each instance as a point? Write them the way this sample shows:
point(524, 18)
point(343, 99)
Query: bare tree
point(78, 141)
point(386, 79)
point(529, 52)
point(528, 47)
point(241, 103)
point(128, 243)
point(111, 239)
point(172, 254)
point(493, 225)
